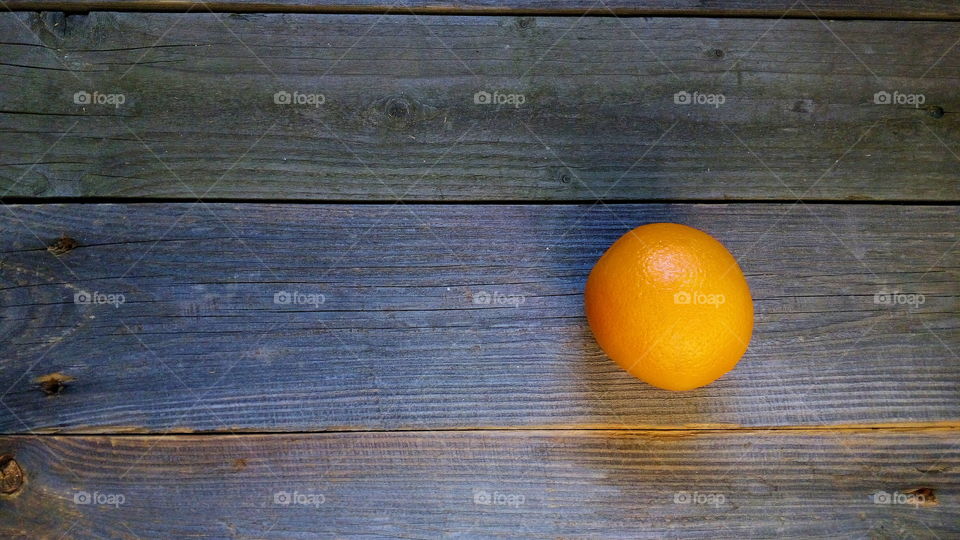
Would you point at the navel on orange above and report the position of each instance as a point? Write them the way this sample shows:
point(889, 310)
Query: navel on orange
point(670, 305)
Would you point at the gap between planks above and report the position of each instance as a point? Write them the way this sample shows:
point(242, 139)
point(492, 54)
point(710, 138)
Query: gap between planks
point(39, 201)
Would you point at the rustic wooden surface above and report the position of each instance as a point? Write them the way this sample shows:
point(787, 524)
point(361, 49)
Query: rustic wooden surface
point(400, 399)
point(399, 317)
point(599, 118)
point(858, 9)
point(548, 484)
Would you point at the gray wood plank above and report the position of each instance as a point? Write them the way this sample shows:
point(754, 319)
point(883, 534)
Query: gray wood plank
point(397, 340)
point(599, 118)
point(886, 9)
point(541, 484)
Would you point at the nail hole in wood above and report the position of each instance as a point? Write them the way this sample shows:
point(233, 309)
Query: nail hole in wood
point(398, 109)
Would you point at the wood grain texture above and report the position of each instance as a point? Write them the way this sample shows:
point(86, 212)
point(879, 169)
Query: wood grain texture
point(553, 484)
point(398, 340)
point(399, 118)
point(861, 9)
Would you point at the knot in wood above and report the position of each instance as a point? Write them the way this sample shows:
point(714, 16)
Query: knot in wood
point(11, 475)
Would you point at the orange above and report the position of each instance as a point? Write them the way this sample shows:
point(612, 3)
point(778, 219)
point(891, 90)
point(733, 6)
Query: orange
point(670, 305)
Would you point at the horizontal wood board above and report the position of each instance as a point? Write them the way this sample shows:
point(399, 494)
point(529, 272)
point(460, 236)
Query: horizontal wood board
point(599, 116)
point(385, 325)
point(540, 484)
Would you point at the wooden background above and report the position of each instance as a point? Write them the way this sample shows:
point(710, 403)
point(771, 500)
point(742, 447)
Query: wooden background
point(398, 406)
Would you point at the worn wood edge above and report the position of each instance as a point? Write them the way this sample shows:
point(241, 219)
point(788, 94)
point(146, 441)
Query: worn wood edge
point(124, 431)
point(540, 431)
point(829, 10)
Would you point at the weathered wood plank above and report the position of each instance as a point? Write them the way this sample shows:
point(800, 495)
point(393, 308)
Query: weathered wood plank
point(542, 484)
point(398, 339)
point(399, 118)
point(886, 9)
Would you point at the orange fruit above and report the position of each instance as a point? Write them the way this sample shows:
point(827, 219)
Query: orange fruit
point(670, 305)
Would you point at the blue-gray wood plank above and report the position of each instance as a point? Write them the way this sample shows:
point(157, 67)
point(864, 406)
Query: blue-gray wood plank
point(540, 484)
point(599, 118)
point(384, 331)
